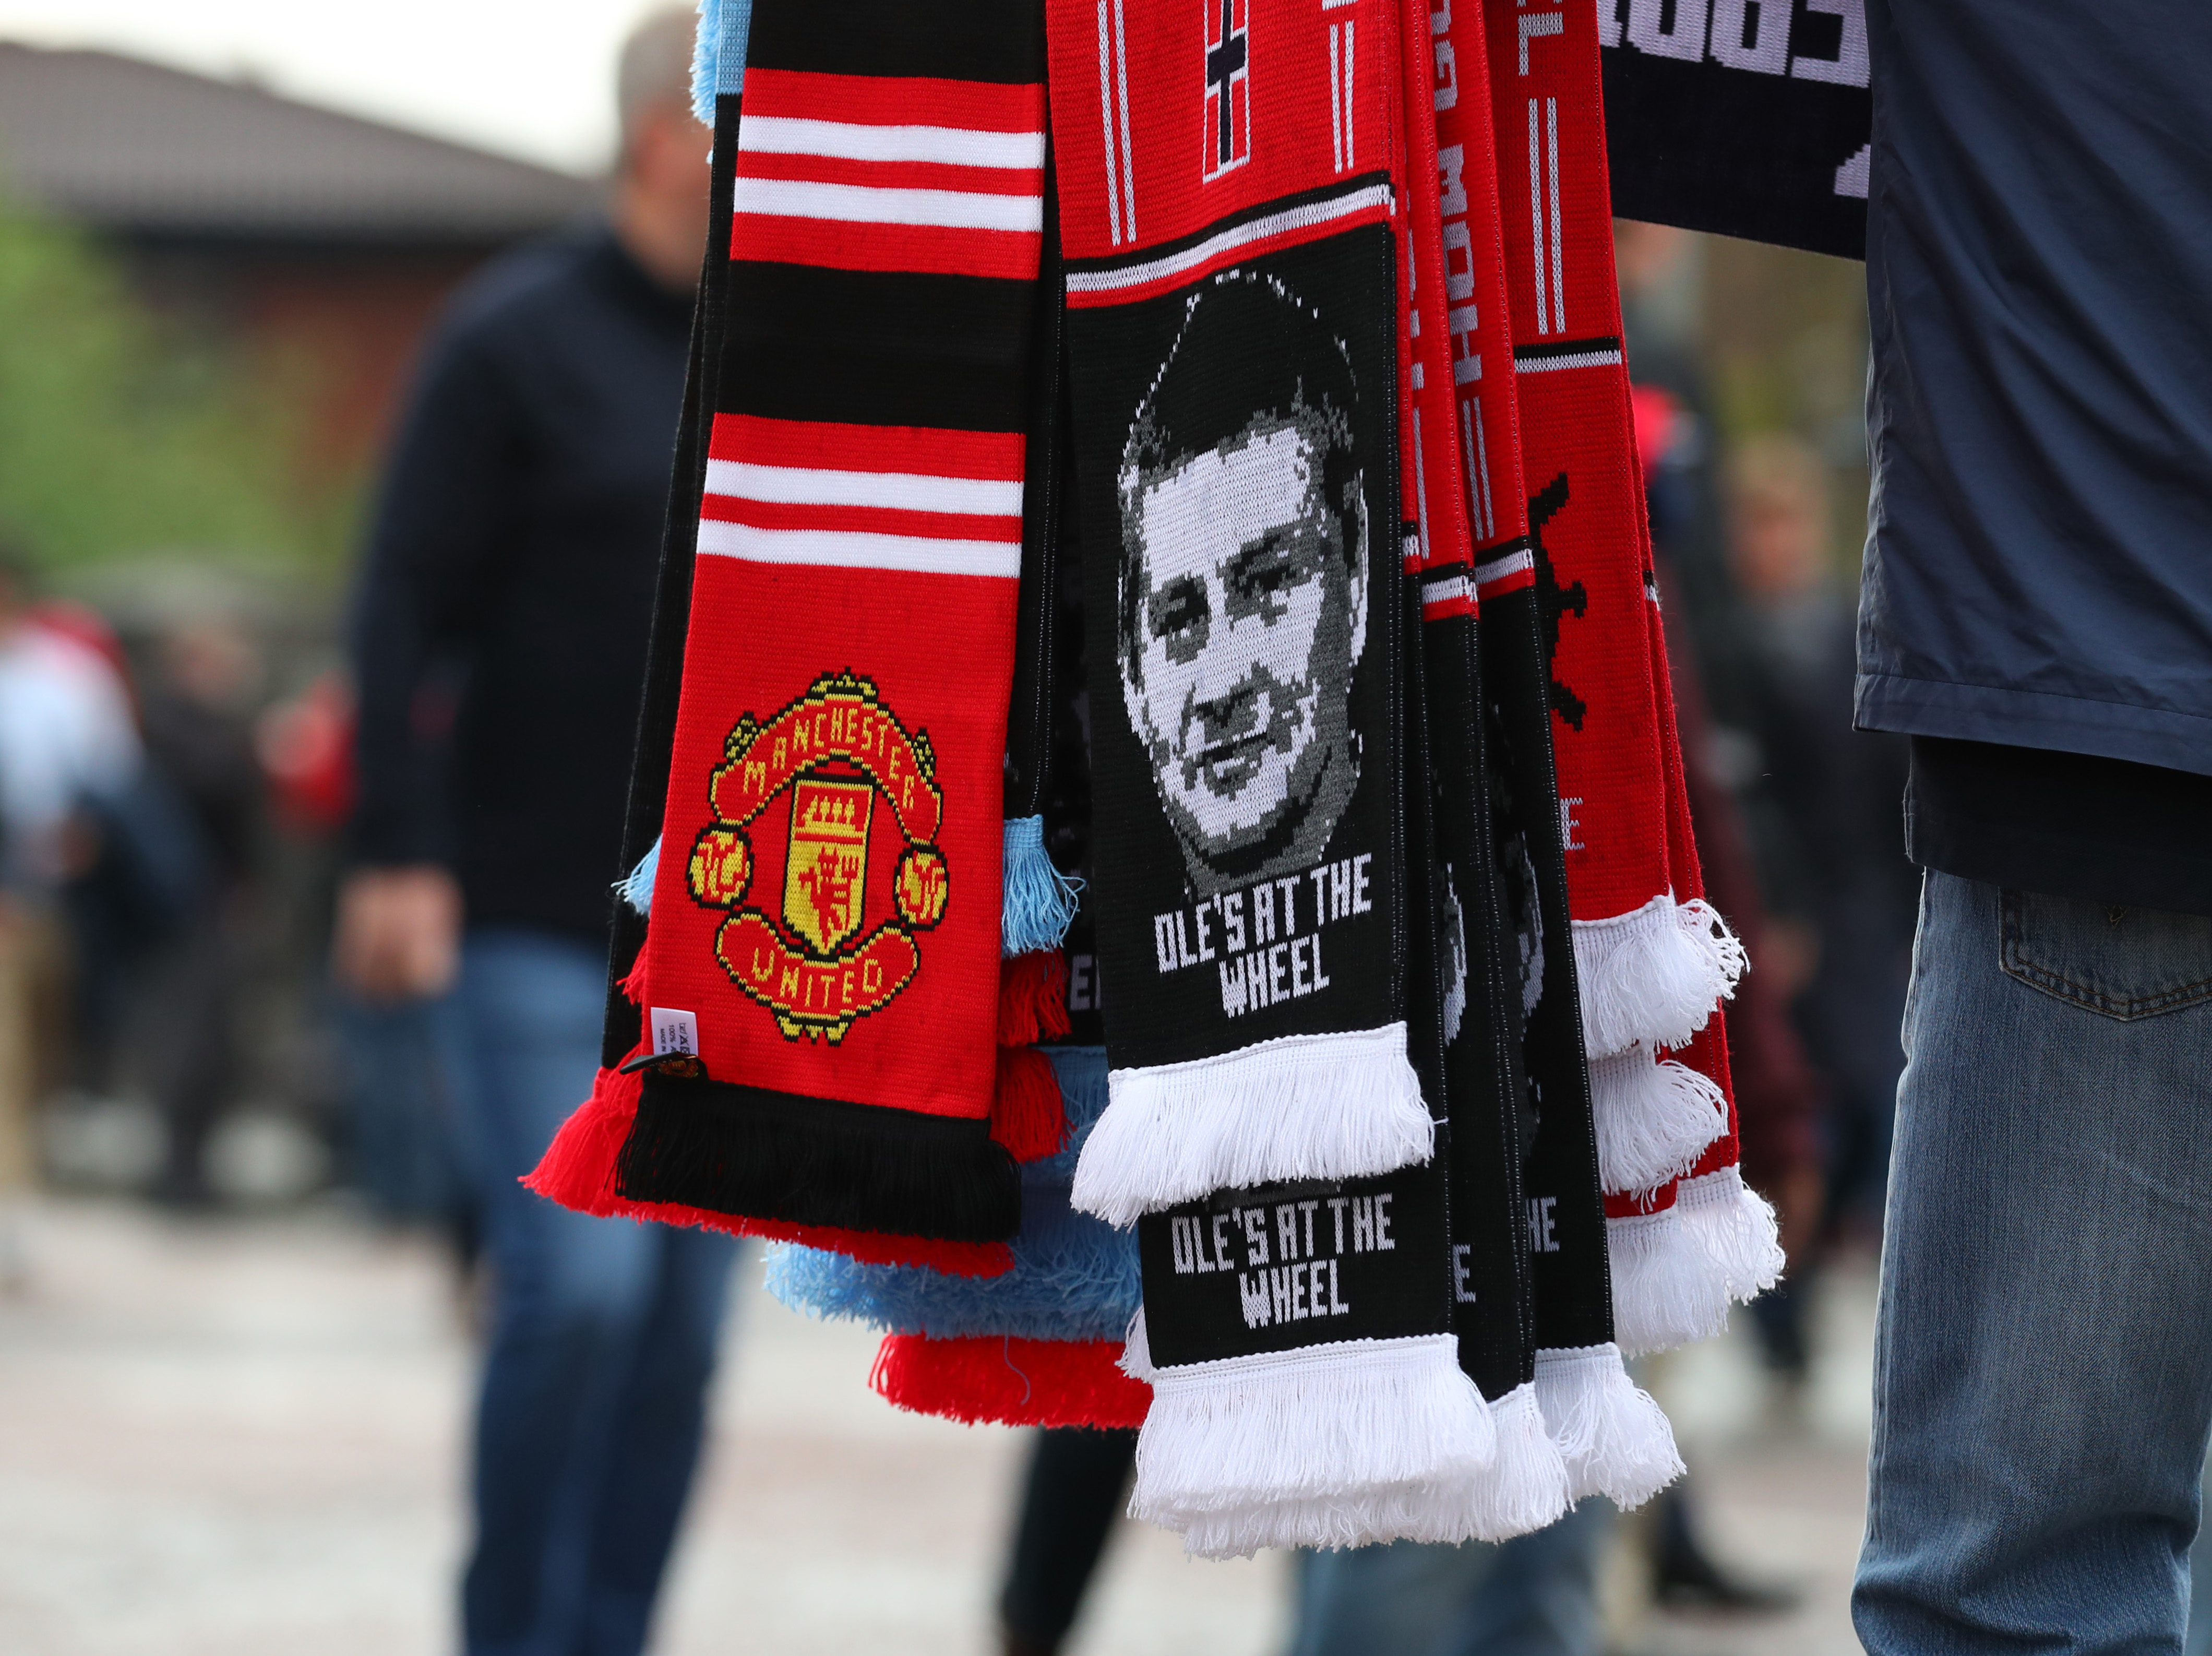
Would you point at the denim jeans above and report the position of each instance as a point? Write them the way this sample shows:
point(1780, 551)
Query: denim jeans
point(1535, 1595)
point(602, 1334)
point(2042, 1371)
point(404, 1131)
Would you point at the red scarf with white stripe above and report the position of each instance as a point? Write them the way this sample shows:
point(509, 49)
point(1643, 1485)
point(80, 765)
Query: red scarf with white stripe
point(821, 973)
point(1652, 967)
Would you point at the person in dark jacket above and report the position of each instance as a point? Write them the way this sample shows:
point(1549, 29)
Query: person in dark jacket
point(515, 553)
point(194, 710)
point(2036, 618)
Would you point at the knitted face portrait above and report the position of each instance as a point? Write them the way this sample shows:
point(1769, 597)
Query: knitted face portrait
point(1243, 582)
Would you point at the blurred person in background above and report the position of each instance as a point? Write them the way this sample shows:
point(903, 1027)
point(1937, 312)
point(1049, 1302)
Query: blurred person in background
point(517, 536)
point(1759, 609)
point(1075, 1488)
point(1535, 1595)
point(197, 716)
point(1825, 830)
point(401, 1142)
point(70, 754)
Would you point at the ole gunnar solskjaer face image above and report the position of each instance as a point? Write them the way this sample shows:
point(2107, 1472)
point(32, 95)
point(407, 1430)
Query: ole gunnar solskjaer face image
point(1242, 613)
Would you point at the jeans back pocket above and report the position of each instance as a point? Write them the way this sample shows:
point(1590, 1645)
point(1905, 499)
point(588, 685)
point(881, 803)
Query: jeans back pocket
point(2121, 962)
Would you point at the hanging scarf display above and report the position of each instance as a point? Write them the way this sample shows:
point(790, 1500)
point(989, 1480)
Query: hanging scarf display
point(1039, 1344)
point(1288, 398)
point(1652, 961)
point(1363, 1480)
point(1043, 1345)
point(1225, 176)
point(1526, 1487)
point(1613, 1437)
point(1284, 1417)
point(579, 1168)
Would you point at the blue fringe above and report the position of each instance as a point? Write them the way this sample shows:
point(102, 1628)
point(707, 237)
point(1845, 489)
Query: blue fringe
point(1039, 900)
point(718, 54)
point(1074, 1277)
point(635, 887)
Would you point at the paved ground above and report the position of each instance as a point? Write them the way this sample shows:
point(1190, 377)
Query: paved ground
point(241, 1437)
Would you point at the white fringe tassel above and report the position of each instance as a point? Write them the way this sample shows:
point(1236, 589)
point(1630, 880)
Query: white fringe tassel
point(1332, 1428)
point(1612, 1434)
point(1654, 1117)
point(1668, 1290)
point(1523, 1489)
point(1364, 1518)
point(1653, 974)
point(1303, 1106)
point(1136, 1359)
point(1529, 1486)
point(1735, 1224)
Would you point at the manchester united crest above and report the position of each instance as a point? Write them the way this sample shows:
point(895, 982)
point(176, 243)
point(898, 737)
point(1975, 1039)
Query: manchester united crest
point(861, 872)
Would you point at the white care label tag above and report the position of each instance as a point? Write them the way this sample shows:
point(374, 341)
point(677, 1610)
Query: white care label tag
point(674, 1031)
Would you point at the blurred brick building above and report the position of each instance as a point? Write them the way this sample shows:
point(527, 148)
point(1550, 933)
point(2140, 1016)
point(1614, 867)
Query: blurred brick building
point(321, 243)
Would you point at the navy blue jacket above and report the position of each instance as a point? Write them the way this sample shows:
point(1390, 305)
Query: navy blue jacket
point(2038, 562)
point(516, 540)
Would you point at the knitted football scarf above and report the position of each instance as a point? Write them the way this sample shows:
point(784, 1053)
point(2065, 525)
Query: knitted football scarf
point(822, 964)
point(1037, 1345)
point(1652, 961)
point(1611, 1436)
point(1683, 87)
point(1696, 1242)
point(1653, 958)
point(1526, 1487)
point(1286, 1414)
point(1230, 334)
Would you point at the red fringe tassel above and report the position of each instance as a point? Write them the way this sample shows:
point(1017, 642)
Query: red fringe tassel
point(1033, 998)
point(1027, 1115)
point(1010, 1382)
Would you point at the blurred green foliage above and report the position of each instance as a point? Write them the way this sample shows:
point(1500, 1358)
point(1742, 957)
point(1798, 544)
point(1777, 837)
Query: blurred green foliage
point(123, 436)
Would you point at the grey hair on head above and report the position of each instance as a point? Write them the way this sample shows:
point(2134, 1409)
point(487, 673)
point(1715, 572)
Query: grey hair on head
point(654, 69)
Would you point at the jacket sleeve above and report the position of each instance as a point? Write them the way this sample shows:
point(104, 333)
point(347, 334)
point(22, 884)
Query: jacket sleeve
point(444, 531)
